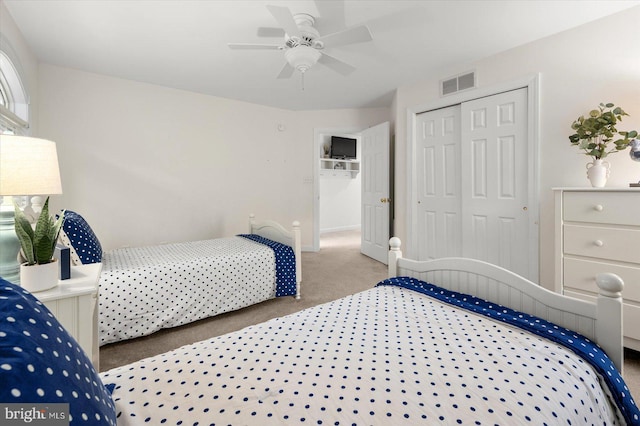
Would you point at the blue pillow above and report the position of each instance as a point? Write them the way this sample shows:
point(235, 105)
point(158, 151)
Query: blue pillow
point(79, 237)
point(40, 363)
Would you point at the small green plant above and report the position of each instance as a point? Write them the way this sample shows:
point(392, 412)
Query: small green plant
point(37, 246)
point(594, 133)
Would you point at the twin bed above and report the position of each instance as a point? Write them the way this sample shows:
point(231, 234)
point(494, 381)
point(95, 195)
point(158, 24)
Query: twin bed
point(419, 347)
point(145, 289)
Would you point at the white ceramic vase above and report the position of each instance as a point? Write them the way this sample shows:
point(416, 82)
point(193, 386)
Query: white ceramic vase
point(598, 172)
point(39, 277)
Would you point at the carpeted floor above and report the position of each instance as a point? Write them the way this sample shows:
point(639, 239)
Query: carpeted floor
point(337, 270)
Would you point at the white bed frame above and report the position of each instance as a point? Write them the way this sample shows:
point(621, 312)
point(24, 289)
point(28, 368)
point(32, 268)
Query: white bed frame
point(276, 232)
point(601, 322)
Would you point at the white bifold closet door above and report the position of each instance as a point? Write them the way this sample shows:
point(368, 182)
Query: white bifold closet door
point(473, 181)
point(439, 183)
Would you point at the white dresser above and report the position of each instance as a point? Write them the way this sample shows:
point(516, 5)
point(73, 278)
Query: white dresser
point(598, 230)
point(74, 302)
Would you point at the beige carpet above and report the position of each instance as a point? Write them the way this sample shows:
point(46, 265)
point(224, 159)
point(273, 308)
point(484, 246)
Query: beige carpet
point(337, 270)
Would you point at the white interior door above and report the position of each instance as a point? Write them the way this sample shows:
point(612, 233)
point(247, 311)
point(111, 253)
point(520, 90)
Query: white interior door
point(439, 187)
point(495, 176)
point(375, 192)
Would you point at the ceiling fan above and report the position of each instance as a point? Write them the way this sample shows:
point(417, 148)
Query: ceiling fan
point(304, 46)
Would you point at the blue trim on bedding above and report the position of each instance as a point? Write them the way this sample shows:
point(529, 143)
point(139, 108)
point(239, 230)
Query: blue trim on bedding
point(110, 387)
point(285, 264)
point(579, 344)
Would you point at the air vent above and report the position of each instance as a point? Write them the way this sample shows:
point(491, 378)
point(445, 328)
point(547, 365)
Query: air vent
point(458, 83)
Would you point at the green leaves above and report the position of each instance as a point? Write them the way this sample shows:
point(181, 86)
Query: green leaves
point(38, 246)
point(25, 235)
point(594, 133)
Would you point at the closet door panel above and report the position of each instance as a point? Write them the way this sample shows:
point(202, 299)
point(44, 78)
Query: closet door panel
point(439, 186)
point(495, 180)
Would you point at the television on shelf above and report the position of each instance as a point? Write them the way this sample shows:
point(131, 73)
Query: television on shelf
point(343, 148)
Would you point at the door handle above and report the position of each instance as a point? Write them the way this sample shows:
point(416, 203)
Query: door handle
point(385, 200)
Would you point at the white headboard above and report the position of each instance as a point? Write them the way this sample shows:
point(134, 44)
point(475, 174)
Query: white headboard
point(600, 322)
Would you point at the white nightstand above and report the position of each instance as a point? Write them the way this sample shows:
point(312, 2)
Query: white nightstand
point(74, 302)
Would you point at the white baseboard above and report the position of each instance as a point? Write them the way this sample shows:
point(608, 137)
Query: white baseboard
point(340, 228)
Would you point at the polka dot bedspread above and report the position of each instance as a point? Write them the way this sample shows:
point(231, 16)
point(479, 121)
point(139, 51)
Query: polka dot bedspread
point(41, 363)
point(385, 356)
point(145, 289)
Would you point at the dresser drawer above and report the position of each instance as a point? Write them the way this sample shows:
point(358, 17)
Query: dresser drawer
point(602, 243)
point(581, 274)
point(630, 315)
point(618, 208)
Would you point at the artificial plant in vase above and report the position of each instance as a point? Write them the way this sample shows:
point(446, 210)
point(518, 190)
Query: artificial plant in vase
point(598, 137)
point(39, 270)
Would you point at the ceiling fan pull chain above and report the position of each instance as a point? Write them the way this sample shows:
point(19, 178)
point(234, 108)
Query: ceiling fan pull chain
point(302, 80)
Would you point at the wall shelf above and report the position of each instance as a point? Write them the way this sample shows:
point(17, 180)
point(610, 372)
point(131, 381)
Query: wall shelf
point(331, 167)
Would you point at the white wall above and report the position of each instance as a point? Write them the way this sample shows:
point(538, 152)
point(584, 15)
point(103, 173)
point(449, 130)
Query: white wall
point(579, 68)
point(147, 164)
point(340, 203)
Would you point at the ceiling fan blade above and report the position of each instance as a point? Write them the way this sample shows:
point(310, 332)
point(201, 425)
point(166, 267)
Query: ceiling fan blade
point(250, 46)
point(286, 71)
point(331, 16)
point(349, 36)
point(285, 20)
point(336, 64)
point(270, 32)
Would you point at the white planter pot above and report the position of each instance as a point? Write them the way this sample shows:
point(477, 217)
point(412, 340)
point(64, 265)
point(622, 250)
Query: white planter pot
point(598, 173)
point(39, 277)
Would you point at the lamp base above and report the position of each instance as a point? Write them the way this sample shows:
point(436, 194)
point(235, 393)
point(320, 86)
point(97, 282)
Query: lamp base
point(9, 246)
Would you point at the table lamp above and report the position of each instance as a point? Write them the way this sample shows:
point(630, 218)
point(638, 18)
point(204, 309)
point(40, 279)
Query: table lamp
point(28, 166)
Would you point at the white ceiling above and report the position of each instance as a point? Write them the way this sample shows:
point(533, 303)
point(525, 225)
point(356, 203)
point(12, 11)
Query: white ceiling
point(183, 43)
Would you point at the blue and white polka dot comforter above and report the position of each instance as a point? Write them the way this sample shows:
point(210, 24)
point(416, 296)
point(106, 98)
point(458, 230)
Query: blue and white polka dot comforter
point(385, 356)
point(145, 289)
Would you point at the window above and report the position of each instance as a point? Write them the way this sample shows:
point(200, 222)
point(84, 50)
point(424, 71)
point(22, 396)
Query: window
point(14, 101)
point(3, 97)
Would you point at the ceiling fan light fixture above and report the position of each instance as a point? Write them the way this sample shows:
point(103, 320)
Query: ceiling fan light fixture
point(302, 58)
point(304, 46)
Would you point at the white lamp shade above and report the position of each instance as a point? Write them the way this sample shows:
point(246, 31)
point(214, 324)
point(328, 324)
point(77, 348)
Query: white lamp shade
point(28, 166)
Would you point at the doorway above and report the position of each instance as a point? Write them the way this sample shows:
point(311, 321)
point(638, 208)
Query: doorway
point(355, 194)
point(336, 205)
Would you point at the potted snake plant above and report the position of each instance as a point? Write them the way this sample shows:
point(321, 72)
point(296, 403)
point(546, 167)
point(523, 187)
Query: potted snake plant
point(39, 269)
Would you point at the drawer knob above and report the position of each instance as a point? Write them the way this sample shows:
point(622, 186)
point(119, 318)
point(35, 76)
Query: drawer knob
point(598, 207)
point(598, 243)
